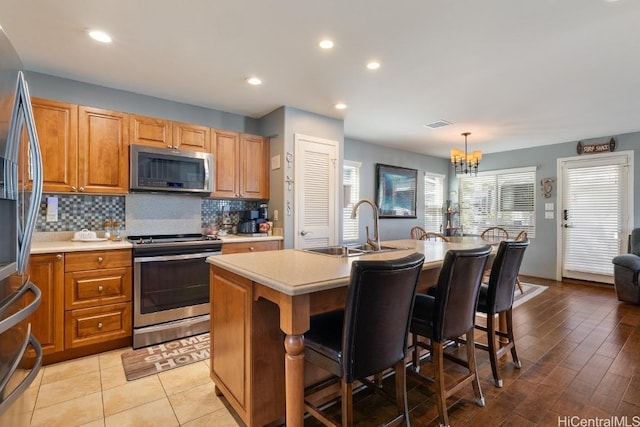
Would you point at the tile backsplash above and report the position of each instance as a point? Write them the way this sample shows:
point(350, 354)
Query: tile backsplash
point(139, 213)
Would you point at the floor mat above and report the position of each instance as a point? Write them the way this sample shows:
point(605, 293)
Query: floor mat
point(162, 357)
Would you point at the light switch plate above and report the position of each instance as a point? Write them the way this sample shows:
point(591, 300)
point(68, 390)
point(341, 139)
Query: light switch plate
point(548, 215)
point(275, 162)
point(548, 206)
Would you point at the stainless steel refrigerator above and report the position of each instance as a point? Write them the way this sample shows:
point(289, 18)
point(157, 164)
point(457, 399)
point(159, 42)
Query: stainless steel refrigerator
point(20, 195)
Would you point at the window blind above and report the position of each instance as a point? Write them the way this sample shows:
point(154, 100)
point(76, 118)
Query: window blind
point(593, 198)
point(433, 201)
point(351, 185)
point(504, 198)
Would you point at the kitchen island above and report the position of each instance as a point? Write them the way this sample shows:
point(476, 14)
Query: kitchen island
point(261, 304)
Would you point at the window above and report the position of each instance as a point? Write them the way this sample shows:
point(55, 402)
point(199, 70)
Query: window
point(504, 198)
point(351, 185)
point(433, 201)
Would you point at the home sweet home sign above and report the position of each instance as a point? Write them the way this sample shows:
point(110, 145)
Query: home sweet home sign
point(604, 147)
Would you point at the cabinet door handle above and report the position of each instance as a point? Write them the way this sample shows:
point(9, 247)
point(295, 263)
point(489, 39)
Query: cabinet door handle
point(99, 325)
point(81, 189)
point(59, 257)
point(73, 188)
point(100, 259)
point(100, 288)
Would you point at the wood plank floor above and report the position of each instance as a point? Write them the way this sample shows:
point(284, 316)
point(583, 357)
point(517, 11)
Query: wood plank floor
point(580, 353)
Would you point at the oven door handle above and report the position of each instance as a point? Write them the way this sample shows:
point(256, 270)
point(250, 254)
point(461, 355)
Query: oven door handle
point(175, 257)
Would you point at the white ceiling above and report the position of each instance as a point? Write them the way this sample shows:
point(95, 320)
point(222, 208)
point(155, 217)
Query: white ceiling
point(514, 73)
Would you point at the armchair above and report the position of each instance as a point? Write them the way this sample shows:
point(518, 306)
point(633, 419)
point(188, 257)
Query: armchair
point(625, 271)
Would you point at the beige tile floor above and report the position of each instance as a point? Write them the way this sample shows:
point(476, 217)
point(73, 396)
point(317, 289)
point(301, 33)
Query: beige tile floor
point(93, 391)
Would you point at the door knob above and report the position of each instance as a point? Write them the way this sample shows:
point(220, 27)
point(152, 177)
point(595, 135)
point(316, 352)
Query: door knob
point(304, 233)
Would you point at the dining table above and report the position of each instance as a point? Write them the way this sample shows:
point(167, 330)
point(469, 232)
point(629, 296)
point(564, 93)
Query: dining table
point(261, 305)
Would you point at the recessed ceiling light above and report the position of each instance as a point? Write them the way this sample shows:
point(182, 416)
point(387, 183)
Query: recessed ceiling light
point(326, 44)
point(373, 65)
point(100, 36)
point(254, 81)
point(340, 106)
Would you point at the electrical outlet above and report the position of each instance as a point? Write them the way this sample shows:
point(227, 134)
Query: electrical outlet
point(275, 215)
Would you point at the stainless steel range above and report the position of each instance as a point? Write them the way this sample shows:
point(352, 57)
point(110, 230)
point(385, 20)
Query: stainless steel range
point(170, 286)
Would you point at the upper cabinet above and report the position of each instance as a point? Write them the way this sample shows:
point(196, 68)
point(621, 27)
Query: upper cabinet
point(254, 167)
point(167, 134)
point(241, 165)
point(103, 165)
point(57, 127)
point(83, 149)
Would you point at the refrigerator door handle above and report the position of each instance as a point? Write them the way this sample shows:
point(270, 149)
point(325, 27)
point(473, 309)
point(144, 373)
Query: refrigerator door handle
point(26, 382)
point(25, 112)
point(14, 319)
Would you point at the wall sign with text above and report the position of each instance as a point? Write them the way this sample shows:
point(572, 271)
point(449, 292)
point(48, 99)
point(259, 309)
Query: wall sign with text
point(604, 147)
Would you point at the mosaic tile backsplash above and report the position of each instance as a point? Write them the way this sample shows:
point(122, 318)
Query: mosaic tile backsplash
point(76, 211)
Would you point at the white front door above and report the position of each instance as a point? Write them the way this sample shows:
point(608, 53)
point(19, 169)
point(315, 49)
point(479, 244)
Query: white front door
point(595, 213)
point(316, 184)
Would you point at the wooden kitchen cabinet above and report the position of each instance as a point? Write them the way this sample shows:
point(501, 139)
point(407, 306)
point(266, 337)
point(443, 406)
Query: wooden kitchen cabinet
point(255, 246)
point(83, 149)
point(47, 323)
point(103, 151)
point(97, 297)
point(150, 131)
point(241, 165)
point(86, 301)
point(163, 133)
point(242, 326)
point(57, 127)
point(191, 137)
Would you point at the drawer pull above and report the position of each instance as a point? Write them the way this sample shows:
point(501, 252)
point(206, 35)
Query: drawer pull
point(99, 325)
point(100, 259)
point(59, 257)
point(251, 248)
point(100, 288)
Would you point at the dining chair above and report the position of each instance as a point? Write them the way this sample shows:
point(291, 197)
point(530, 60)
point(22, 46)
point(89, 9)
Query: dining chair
point(497, 297)
point(522, 235)
point(494, 234)
point(416, 232)
point(428, 235)
point(368, 336)
point(444, 317)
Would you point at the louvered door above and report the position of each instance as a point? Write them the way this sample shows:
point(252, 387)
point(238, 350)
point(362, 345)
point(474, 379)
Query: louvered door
point(316, 183)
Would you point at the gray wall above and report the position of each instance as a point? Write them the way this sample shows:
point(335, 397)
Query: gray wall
point(75, 92)
point(285, 123)
point(541, 257)
point(369, 155)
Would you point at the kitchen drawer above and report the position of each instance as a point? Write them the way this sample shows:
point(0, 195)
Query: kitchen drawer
point(94, 260)
point(99, 287)
point(87, 326)
point(234, 248)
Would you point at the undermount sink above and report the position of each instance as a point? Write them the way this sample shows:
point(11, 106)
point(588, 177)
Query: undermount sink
point(352, 250)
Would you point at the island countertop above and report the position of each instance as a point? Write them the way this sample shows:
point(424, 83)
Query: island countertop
point(296, 272)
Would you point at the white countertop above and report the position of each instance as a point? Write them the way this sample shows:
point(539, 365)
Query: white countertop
point(61, 242)
point(297, 272)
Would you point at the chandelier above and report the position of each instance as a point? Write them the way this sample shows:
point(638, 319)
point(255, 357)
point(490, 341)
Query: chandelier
point(463, 162)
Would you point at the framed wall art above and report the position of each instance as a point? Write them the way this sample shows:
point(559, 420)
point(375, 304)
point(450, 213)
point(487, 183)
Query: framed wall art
point(396, 191)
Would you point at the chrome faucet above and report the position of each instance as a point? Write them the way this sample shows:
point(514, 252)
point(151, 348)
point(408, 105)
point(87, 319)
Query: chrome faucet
point(375, 241)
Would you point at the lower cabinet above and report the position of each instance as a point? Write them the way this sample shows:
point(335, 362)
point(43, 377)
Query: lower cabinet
point(255, 246)
point(247, 350)
point(86, 300)
point(47, 323)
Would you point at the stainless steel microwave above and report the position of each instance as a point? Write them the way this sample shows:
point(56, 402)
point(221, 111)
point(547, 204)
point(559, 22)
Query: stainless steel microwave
point(165, 169)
